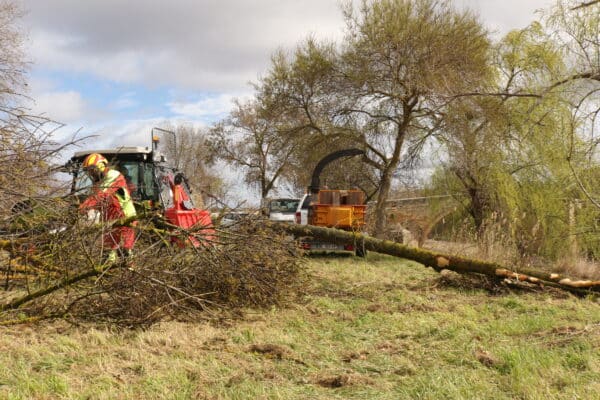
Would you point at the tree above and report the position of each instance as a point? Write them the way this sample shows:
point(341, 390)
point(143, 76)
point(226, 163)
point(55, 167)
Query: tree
point(26, 147)
point(250, 139)
point(577, 32)
point(12, 73)
point(385, 85)
point(490, 136)
point(189, 151)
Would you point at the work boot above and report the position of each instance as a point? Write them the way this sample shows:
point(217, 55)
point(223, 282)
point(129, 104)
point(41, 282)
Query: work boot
point(128, 257)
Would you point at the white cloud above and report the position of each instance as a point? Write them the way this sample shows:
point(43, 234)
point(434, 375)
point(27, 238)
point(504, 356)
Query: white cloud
point(65, 107)
point(209, 45)
point(204, 109)
point(502, 16)
point(55, 51)
point(127, 100)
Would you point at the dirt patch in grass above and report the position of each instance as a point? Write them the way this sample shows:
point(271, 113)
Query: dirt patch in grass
point(562, 336)
point(342, 380)
point(355, 355)
point(425, 308)
point(275, 352)
point(270, 350)
point(488, 359)
point(377, 307)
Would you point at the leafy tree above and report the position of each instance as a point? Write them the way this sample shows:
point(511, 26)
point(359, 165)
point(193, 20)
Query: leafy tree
point(510, 148)
point(489, 135)
point(576, 27)
point(383, 88)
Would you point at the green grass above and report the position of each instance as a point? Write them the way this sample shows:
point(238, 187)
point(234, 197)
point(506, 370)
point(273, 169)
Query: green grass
point(380, 328)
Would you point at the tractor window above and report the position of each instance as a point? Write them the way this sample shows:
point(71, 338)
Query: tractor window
point(83, 183)
point(164, 177)
point(148, 187)
point(130, 170)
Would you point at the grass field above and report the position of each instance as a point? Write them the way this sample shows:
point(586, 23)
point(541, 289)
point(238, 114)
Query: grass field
point(380, 328)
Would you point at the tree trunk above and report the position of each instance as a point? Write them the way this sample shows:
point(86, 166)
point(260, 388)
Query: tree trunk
point(380, 217)
point(440, 261)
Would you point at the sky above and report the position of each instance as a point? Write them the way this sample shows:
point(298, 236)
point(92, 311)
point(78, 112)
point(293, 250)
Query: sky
point(117, 68)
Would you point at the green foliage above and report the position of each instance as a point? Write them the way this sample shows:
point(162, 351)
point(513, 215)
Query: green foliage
point(513, 154)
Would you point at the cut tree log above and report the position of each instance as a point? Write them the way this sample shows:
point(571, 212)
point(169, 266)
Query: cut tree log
point(439, 261)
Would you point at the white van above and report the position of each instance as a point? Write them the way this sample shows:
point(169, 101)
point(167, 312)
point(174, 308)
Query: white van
point(283, 209)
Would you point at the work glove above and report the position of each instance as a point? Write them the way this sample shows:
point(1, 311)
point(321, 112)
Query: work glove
point(91, 218)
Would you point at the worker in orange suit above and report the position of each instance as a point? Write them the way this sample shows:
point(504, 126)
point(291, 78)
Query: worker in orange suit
point(111, 198)
point(180, 197)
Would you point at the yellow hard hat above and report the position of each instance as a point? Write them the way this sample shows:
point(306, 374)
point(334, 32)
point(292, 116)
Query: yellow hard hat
point(95, 160)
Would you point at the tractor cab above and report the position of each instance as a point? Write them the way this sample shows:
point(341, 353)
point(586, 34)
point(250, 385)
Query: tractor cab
point(149, 178)
point(152, 183)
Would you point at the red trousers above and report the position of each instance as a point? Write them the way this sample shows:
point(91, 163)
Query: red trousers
point(113, 238)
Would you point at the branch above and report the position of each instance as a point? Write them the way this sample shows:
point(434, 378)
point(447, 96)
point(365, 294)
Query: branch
point(503, 95)
point(586, 4)
point(595, 76)
point(40, 293)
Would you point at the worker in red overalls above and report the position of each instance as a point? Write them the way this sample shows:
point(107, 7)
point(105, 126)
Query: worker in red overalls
point(110, 196)
point(181, 200)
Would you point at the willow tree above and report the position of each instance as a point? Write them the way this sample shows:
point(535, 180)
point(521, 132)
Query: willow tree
point(577, 30)
point(510, 146)
point(488, 135)
point(384, 86)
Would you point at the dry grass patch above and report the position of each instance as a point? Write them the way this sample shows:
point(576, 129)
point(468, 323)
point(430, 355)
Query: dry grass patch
point(579, 267)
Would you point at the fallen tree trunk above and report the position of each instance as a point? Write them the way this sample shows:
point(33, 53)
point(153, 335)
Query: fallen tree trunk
point(440, 261)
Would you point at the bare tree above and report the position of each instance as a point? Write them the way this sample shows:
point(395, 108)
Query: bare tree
point(250, 139)
point(186, 147)
point(26, 147)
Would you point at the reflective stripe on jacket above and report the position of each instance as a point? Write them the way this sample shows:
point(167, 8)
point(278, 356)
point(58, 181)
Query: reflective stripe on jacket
point(115, 179)
point(111, 197)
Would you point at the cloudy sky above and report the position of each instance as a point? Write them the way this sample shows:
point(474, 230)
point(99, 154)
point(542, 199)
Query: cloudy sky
point(118, 67)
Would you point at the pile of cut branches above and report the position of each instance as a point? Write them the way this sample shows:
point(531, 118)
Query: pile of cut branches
point(59, 272)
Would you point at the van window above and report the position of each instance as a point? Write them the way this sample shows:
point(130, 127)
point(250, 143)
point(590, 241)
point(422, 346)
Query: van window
point(284, 205)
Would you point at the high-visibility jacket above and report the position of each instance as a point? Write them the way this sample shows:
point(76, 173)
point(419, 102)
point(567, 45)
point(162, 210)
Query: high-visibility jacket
point(111, 197)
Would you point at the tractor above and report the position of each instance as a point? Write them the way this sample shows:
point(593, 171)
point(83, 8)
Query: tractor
point(152, 182)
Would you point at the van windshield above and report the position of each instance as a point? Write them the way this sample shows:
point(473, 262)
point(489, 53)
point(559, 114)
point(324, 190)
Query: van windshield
point(284, 205)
